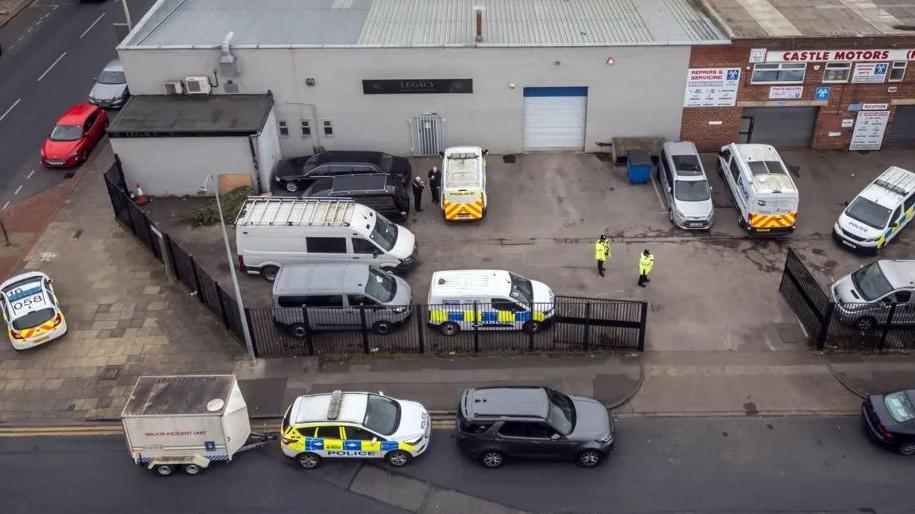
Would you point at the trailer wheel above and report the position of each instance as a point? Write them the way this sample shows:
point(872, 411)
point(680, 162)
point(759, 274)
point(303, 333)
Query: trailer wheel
point(192, 469)
point(308, 460)
point(164, 470)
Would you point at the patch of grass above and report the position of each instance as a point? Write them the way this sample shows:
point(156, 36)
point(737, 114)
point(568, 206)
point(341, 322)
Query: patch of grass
point(231, 204)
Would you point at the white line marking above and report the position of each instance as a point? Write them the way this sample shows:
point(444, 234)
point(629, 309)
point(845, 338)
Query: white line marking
point(7, 204)
point(100, 16)
point(17, 190)
point(657, 192)
point(53, 64)
point(10, 109)
point(10, 48)
point(30, 175)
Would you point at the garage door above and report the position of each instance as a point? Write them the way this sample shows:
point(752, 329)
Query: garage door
point(902, 131)
point(554, 118)
point(782, 127)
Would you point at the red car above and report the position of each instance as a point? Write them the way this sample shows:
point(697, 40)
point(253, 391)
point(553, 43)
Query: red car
point(75, 135)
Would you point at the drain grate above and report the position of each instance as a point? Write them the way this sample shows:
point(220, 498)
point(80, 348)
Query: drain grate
point(78, 233)
point(69, 174)
point(111, 372)
point(508, 158)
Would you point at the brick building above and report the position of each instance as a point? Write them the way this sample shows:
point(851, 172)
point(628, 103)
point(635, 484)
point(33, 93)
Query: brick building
point(825, 74)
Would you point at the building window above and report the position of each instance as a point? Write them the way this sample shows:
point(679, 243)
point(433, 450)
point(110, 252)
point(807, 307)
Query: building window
point(897, 72)
point(781, 73)
point(328, 127)
point(284, 128)
point(306, 128)
point(837, 72)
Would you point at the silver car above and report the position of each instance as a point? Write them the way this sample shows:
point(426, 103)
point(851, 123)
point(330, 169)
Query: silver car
point(685, 186)
point(879, 293)
point(339, 296)
point(110, 89)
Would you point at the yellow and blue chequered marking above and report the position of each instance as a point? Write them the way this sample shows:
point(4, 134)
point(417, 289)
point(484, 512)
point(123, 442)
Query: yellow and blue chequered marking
point(487, 316)
point(317, 444)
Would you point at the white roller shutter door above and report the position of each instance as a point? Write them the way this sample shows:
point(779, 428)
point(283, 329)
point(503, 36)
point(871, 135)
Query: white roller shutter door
point(554, 118)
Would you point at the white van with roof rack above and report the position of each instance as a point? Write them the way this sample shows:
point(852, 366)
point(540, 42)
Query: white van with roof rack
point(879, 211)
point(764, 193)
point(272, 231)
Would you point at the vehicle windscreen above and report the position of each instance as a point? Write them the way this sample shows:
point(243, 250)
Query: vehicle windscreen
point(868, 212)
point(385, 233)
point(561, 413)
point(687, 164)
point(380, 286)
point(382, 415)
point(66, 133)
point(900, 406)
point(33, 319)
point(871, 282)
point(691, 190)
point(522, 290)
point(111, 77)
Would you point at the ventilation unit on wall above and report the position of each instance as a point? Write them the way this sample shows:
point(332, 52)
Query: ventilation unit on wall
point(197, 85)
point(173, 87)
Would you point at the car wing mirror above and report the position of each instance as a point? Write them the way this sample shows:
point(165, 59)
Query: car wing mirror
point(374, 440)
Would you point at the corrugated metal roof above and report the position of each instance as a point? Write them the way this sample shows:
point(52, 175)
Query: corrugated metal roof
point(423, 23)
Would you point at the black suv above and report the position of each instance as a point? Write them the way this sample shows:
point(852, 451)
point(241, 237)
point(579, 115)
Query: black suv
point(292, 174)
point(495, 423)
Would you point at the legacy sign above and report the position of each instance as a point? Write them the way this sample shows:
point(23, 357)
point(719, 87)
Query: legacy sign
point(840, 55)
point(414, 86)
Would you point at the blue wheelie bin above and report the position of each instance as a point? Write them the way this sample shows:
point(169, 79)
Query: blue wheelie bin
point(639, 165)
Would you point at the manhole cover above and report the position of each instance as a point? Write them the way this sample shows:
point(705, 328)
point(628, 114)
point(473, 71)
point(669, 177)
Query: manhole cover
point(110, 372)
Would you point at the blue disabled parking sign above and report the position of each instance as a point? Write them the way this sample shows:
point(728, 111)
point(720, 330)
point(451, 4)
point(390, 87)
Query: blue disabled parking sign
point(822, 93)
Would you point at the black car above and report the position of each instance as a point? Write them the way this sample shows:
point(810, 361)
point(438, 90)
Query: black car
point(890, 420)
point(381, 192)
point(496, 423)
point(293, 174)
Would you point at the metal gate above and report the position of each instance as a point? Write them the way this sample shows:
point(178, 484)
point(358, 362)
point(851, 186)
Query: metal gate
point(427, 133)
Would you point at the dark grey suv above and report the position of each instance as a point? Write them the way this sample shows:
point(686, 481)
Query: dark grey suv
point(496, 423)
point(295, 173)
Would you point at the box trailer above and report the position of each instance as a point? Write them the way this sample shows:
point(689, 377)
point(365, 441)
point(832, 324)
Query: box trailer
point(186, 422)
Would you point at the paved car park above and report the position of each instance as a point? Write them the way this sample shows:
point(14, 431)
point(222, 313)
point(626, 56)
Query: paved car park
point(546, 210)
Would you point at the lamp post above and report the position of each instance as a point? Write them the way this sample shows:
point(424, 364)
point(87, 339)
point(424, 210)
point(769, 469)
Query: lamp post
point(225, 239)
point(127, 15)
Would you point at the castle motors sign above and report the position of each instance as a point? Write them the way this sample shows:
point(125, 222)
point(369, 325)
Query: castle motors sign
point(841, 55)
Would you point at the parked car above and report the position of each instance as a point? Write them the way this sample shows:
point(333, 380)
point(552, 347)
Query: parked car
point(294, 174)
point(75, 135)
point(381, 192)
point(31, 310)
point(867, 296)
point(354, 425)
point(273, 231)
point(890, 420)
point(110, 89)
point(498, 423)
point(340, 296)
point(764, 193)
point(463, 196)
point(874, 217)
point(685, 186)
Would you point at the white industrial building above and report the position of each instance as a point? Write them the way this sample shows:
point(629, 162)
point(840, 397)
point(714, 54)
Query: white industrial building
point(414, 76)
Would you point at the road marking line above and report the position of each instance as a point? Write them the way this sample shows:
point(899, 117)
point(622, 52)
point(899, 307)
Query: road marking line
point(30, 175)
point(17, 190)
point(10, 109)
point(7, 204)
point(100, 16)
point(53, 64)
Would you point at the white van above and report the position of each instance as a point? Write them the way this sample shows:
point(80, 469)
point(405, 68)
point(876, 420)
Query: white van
point(463, 196)
point(764, 194)
point(488, 300)
point(879, 293)
point(877, 214)
point(273, 231)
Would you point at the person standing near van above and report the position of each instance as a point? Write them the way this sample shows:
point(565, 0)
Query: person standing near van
point(418, 186)
point(435, 183)
point(601, 252)
point(646, 264)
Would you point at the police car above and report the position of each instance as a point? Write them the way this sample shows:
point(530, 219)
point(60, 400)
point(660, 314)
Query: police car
point(31, 310)
point(354, 425)
point(878, 213)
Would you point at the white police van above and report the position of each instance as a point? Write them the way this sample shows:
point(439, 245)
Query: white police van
point(876, 215)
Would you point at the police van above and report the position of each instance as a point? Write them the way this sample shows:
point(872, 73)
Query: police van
point(31, 310)
point(488, 300)
point(764, 193)
point(879, 211)
point(354, 425)
point(463, 195)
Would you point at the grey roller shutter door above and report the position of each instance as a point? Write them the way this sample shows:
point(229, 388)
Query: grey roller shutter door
point(902, 130)
point(782, 127)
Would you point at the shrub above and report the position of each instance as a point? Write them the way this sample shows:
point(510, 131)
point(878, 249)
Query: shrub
point(231, 204)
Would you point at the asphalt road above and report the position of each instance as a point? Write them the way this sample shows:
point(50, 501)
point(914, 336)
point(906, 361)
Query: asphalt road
point(800, 464)
point(52, 51)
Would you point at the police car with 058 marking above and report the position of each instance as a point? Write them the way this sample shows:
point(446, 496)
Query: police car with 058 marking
point(31, 310)
point(354, 425)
